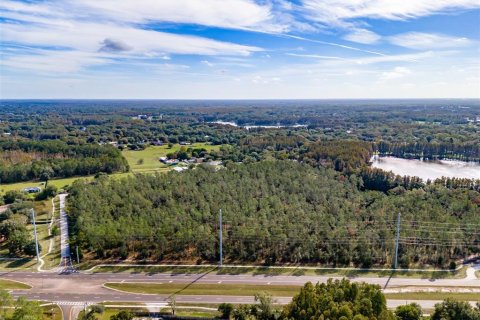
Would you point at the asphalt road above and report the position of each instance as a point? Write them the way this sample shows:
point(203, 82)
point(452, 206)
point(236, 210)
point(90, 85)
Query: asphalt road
point(77, 288)
point(70, 291)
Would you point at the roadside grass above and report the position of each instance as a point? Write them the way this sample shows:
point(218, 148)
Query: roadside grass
point(13, 285)
point(20, 264)
point(461, 273)
point(462, 296)
point(112, 311)
point(196, 313)
point(186, 312)
point(52, 312)
point(203, 289)
point(43, 210)
point(148, 159)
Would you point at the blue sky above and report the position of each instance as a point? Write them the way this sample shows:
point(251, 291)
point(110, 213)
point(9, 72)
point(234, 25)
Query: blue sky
point(240, 49)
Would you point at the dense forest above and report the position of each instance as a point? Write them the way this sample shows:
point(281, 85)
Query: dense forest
point(274, 212)
point(25, 160)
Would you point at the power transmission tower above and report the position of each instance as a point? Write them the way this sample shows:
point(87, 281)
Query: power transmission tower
point(397, 239)
point(220, 236)
point(35, 235)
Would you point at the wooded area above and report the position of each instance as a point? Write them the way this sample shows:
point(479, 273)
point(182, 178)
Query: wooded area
point(274, 211)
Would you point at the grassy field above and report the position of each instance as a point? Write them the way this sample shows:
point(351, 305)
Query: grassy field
point(12, 285)
point(147, 160)
point(433, 296)
point(285, 271)
point(59, 183)
point(204, 289)
point(150, 164)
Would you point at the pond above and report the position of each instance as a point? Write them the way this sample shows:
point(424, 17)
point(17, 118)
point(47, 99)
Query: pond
point(428, 169)
point(278, 126)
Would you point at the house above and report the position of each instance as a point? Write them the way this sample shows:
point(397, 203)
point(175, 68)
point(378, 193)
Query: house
point(32, 190)
point(163, 159)
point(185, 143)
point(171, 161)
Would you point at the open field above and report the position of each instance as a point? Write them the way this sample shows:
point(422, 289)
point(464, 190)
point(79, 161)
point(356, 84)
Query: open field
point(59, 183)
point(147, 159)
point(12, 285)
point(203, 289)
point(150, 164)
point(470, 296)
point(298, 271)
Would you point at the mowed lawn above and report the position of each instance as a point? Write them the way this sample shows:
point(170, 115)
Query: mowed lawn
point(204, 289)
point(59, 183)
point(148, 159)
point(13, 285)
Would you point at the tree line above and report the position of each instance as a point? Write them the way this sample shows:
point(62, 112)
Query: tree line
point(57, 159)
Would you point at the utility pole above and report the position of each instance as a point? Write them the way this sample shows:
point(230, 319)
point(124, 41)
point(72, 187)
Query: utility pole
point(78, 259)
point(395, 265)
point(220, 236)
point(35, 234)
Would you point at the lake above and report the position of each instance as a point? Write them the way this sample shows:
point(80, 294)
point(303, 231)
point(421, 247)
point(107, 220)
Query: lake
point(428, 169)
point(226, 123)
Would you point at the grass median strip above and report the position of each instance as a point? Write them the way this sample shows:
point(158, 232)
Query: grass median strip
point(461, 273)
point(464, 296)
point(12, 285)
point(203, 289)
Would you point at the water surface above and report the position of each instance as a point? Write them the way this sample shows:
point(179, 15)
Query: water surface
point(428, 169)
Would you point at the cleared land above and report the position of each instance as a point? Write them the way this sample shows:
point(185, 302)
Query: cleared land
point(148, 159)
point(150, 163)
point(203, 289)
point(12, 285)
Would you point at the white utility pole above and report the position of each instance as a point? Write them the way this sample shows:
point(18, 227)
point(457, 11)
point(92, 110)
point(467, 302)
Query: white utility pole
point(395, 265)
point(35, 234)
point(220, 236)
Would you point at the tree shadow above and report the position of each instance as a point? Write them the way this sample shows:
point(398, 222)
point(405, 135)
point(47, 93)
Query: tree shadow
point(192, 282)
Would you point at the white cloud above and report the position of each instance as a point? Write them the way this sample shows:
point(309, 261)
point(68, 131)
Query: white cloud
point(362, 36)
point(397, 72)
point(98, 35)
point(235, 14)
point(366, 60)
point(338, 11)
point(420, 40)
point(207, 63)
point(315, 56)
